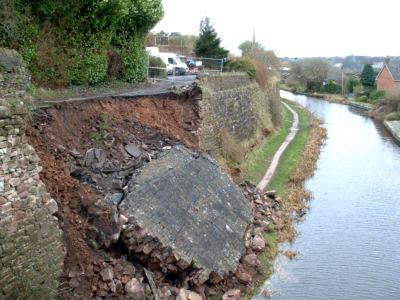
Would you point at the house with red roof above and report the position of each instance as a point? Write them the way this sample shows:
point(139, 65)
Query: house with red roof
point(389, 76)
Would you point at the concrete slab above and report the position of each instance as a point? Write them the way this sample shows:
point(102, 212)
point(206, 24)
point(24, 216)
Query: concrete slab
point(187, 204)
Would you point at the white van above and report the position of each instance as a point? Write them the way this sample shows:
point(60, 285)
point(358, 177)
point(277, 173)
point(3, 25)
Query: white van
point(173, 63)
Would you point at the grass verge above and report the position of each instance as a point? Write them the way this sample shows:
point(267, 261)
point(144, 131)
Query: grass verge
point(257, 160)
point(290, 157)
point(296, 165)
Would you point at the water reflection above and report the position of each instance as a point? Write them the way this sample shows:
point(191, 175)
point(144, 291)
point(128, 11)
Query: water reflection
point(349, 243)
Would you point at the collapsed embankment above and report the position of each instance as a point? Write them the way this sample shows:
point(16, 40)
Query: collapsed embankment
point(99, 156)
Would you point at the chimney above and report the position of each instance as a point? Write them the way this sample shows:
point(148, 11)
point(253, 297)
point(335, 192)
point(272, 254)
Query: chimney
point(387, 59)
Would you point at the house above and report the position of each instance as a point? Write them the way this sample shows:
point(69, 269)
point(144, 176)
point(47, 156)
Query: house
point(389, 76)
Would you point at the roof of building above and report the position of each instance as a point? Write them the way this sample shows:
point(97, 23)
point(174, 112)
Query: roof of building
point(394, 69)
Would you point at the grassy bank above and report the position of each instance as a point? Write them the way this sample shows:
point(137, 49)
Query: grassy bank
point(296, 165)
point(258, 159)
point(290, 157)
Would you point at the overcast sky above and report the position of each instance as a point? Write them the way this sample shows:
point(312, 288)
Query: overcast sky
point(295, 28)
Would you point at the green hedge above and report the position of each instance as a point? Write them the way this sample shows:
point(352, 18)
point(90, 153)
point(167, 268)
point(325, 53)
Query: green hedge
point(243, 64)
point(69, 42)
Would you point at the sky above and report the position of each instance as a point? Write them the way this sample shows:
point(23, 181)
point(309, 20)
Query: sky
point(294, 28)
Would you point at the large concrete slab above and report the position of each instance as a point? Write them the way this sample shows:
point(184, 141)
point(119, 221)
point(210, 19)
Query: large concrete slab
point(191, 207)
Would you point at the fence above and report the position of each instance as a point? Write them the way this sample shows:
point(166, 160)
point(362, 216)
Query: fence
point(182, 65)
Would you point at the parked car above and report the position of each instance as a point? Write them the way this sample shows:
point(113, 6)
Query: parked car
point(174, 63)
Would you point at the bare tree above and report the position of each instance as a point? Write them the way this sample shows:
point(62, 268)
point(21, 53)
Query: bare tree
point(317, 69)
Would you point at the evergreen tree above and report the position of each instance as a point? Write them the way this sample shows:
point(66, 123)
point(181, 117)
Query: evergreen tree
point(208, 44)
point(368, 76)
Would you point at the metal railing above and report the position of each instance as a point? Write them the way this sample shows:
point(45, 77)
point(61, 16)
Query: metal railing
point(195, 65)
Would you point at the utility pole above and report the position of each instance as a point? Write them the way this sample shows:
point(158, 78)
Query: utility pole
point(254, 41)
point(342, 81)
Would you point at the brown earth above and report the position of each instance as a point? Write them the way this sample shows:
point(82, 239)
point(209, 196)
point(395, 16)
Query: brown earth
point(61, 136)
point(97, 264)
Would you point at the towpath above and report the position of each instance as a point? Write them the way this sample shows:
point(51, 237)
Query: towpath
point(275, 161)
point(156, 88)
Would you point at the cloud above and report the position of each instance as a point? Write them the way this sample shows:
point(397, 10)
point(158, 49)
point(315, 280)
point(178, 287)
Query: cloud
point(291, 27)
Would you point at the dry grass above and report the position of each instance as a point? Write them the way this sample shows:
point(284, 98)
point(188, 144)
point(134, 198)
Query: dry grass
point(393, 96)
point(289, 254)
point(231, 148)
point(261, 74)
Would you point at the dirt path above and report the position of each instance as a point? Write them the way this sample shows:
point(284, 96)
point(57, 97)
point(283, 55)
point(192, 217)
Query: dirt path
point(275, 161)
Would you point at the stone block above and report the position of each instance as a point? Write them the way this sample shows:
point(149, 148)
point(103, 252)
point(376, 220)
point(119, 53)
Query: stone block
point(188, 204)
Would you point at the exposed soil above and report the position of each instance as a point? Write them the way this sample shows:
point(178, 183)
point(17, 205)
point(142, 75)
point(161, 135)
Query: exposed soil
point(62, 135)
point(67, 137)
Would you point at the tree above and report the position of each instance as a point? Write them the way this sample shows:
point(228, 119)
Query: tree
point(368, 77)
point(256, 51)
point(352, 83)
point(248, 48)
point(316, 69)
point(209, 44)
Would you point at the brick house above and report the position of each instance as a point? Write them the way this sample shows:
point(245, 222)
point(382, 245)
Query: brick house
point(389, 76)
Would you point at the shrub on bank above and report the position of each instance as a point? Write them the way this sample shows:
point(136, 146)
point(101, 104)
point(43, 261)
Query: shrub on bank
point(376, 95)
point(69, 42)
point(351, 84)
point(242, 64)
point(357, 90)
point(157, 62)
point(363, 98)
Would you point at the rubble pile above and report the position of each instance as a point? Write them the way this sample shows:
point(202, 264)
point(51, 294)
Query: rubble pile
point(144, 216)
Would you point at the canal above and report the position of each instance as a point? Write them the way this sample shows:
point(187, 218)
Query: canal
point(349, 241)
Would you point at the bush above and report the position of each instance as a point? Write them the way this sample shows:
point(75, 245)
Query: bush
point(392, 97)
point(376, 95)
point(242, 64)
point(362, 98)
point(230, 147)
point(90, 68)
point(261, 74)
point(66, 42)
point(351, 84)
point(157, 62)
point(135, 61)
point(357, 90)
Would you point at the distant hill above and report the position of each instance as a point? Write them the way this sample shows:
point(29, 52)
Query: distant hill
point(353, 63)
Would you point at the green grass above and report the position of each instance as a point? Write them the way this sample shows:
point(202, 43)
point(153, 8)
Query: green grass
point(287, 165)
point(291, 155)
point(257, 161)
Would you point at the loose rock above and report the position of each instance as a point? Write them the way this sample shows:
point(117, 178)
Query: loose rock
point(258, 243)
point(134, 288)
point(133, 150)
point(107, 274)
point(188, 295)
point(231, 295)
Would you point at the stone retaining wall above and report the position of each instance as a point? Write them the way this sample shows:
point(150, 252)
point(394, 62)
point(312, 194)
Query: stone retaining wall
point(31, 249)
point(234, 103)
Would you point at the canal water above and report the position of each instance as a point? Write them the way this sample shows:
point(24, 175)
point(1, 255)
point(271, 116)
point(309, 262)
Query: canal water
point(349, 242)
